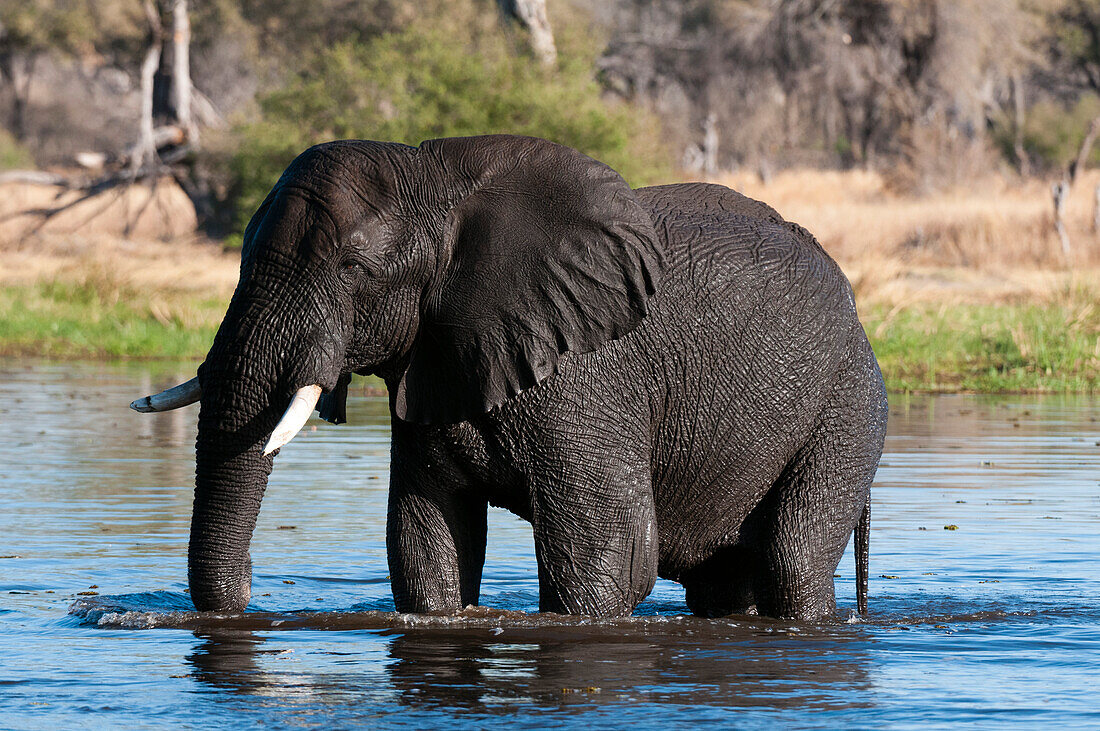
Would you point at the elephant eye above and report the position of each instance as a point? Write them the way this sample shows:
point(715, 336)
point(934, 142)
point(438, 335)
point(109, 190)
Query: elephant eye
point(351, 266)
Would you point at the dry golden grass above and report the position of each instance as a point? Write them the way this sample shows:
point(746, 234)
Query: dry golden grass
point(186, 265)
point(992, 241)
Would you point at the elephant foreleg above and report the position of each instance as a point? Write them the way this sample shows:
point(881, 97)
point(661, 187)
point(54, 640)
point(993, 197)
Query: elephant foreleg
point(596, 540)
point(435, 541)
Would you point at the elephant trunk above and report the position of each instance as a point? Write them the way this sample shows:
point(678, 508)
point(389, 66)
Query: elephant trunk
point(229, 486)
point(244, 393)
point(237, 412)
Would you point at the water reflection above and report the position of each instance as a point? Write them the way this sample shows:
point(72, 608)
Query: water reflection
point(226, 660)
point(493, 671)
point(484, 673)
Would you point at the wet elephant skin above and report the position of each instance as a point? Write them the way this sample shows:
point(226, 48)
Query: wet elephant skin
point(669, 381)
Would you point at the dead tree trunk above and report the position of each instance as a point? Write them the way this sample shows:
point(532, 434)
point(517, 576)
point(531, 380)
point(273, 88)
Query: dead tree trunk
point(18, 69)
point(145, 151)
point(181, 69)
point(1096, 209)
point(1082, 158)
point(790, 112)
point(1023, 162)
point(531, 14)
point(1060, 191)
point(710, 145)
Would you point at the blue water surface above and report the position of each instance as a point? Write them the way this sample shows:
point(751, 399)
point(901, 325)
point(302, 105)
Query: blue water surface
point(994, 622)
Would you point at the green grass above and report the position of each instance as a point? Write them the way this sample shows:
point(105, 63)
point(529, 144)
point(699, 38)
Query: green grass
point(990, 348)
point(983, 348)
point(88, 320)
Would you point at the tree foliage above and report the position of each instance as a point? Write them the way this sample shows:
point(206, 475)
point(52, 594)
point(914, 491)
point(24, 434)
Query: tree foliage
point(69, 27)
point(930, 91)
point(425, 82)
point(1074, 41)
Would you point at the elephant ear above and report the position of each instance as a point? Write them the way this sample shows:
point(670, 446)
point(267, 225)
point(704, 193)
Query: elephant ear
point(546, 251)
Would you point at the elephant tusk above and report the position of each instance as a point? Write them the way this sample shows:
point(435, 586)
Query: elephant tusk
point(301, 406)
point(170, 398)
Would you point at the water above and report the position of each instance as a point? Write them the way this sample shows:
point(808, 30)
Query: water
point(994, 623)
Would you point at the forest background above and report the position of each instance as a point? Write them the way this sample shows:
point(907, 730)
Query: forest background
point(941, 151)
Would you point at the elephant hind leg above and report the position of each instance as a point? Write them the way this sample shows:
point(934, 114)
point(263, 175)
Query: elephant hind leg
point(805, 521)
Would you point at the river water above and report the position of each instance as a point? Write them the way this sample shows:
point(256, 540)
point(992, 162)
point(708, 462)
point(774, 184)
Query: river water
point(985, 588)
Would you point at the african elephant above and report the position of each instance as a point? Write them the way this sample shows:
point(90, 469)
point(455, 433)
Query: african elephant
point(670, 381)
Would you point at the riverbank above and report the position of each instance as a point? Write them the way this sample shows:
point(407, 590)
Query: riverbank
point(1042, 344)
point(975, 299)
point(1029, 347)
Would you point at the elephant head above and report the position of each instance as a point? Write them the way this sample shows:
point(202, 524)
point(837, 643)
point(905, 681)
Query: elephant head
point(459, 271)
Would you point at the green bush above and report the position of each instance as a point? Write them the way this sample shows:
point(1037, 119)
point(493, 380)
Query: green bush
point(12, 154)
point(422, 83)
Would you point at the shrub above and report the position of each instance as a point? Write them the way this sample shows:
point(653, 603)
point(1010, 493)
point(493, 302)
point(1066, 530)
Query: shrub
point(422, 83)
point(12, 154)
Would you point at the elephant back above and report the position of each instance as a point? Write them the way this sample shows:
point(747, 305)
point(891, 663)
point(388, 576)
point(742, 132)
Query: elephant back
point(703, 199)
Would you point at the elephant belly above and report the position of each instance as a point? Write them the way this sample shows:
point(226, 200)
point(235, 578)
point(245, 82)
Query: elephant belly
point(705, 496)
point(741, 385)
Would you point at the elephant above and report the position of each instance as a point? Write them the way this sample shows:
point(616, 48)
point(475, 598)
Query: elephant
point(667, 381)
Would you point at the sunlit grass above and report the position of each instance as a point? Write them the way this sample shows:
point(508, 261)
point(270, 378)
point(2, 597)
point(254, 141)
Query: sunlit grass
point(1052, 346)
point(79, 320)
point(1049, 346)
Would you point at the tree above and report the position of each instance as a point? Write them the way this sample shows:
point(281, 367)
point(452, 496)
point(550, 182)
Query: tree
point(429, 81)
point(531, 14)
point(1075, 48)
point(28, 29)
point(1074, 41)
point(181, 68)
point(821, 82)
point(145, 151)
point(165, 65)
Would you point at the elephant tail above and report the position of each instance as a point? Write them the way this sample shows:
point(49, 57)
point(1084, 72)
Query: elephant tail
point(863, 538)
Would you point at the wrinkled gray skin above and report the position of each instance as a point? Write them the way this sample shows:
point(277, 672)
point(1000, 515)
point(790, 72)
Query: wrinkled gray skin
point(666, 382)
